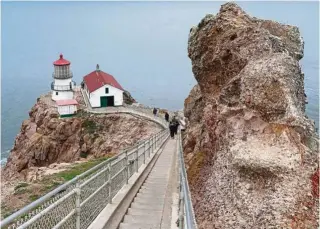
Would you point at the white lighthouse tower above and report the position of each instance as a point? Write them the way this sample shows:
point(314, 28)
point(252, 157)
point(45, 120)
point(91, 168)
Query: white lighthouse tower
point(62, 85)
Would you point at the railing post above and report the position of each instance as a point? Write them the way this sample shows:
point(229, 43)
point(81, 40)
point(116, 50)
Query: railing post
point(137, 158)
point(181, 215)
point(156, 139)
point(144, 152)
point(127, 167)
point(78, 208)
point(110, 183)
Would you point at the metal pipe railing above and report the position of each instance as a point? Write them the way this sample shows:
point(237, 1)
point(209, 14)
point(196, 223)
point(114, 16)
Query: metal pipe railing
point(84, 183)
point(186, 213)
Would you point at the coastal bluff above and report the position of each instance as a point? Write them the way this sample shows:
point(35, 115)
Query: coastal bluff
point(45, 138)
point(252, 153)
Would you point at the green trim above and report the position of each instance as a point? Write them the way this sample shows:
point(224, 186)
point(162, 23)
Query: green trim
point(67, 115)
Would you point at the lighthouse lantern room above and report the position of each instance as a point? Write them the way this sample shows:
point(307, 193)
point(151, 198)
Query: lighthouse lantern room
point(62, 86)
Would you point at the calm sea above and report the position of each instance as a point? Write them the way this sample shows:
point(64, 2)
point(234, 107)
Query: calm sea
point(144, 45)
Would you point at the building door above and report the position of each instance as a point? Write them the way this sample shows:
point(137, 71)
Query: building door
point(110, 101)
point(103, 101)
point(107, 101)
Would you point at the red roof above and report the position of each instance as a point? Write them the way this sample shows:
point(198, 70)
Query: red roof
point(67, 102)
point(97, 79)
point(61, 61)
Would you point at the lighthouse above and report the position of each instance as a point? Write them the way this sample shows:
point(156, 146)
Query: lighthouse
point(62, 85)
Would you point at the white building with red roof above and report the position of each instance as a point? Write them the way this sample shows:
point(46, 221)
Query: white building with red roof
point(67, 107)
point(102, 89)
point(62, 85)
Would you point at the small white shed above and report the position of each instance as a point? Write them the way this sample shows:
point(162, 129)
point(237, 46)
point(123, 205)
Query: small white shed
point(102, 89)
point(67, 107)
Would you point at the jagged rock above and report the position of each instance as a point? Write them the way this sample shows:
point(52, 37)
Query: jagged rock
point(127, 98)
point(250, 149)
point(45, 139)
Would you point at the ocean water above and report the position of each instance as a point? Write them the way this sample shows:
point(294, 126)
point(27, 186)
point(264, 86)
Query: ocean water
point(143, 44)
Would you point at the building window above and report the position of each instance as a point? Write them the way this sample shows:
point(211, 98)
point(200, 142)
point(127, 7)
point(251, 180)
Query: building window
point(56, 93)
point(107, 90)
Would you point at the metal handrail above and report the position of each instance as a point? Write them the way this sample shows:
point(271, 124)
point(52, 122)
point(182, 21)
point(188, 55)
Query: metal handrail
point(92, 173)
point(186, 212)
point(68, 87)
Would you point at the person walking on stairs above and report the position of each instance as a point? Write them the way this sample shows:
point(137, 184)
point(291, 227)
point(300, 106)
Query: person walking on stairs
point(166, 116)
point(172, 127)
point(176, 124)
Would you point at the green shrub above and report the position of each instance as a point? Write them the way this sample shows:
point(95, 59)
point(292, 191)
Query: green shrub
point(83, 154)
point(21, 185)
point(89, 126)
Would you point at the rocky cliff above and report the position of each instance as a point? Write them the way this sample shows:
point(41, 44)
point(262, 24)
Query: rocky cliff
point(251, 151)
point(127, 98)
point(45, 138)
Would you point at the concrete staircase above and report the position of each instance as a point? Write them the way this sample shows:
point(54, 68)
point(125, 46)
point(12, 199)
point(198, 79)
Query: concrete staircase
point(151, 208)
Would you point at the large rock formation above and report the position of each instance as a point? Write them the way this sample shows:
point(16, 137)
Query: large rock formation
point(44, 138)
point(127, 98)
point(251, 150)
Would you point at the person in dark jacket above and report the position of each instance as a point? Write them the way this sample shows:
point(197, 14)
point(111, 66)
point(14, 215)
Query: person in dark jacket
point(176, 126)
point(172, 129)
point(154, 111)
point(166, 116)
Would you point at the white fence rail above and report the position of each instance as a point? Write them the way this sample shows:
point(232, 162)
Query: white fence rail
point(186, 214)
point(78, 202)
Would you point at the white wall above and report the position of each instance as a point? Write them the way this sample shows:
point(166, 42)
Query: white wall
point(95, 96)
point(68, 109)
point(62, 82)
point(62, 95)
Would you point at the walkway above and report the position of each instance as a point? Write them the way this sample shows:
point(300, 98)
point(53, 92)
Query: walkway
point(136, 110)
point(152, 206)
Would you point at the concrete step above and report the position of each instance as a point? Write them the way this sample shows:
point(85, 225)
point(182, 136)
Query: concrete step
point(153, 193)
point(151, 182)
point(155, 176)
point(159, 182)
point(150, 188)
point(158, 173)
point(156, 182)
point(150, 196)
point(151, 219)
point(155, 185)
point(138, 226)
point(144, 212)
point(156, 207)
point(160, 177)
point(148, 201)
